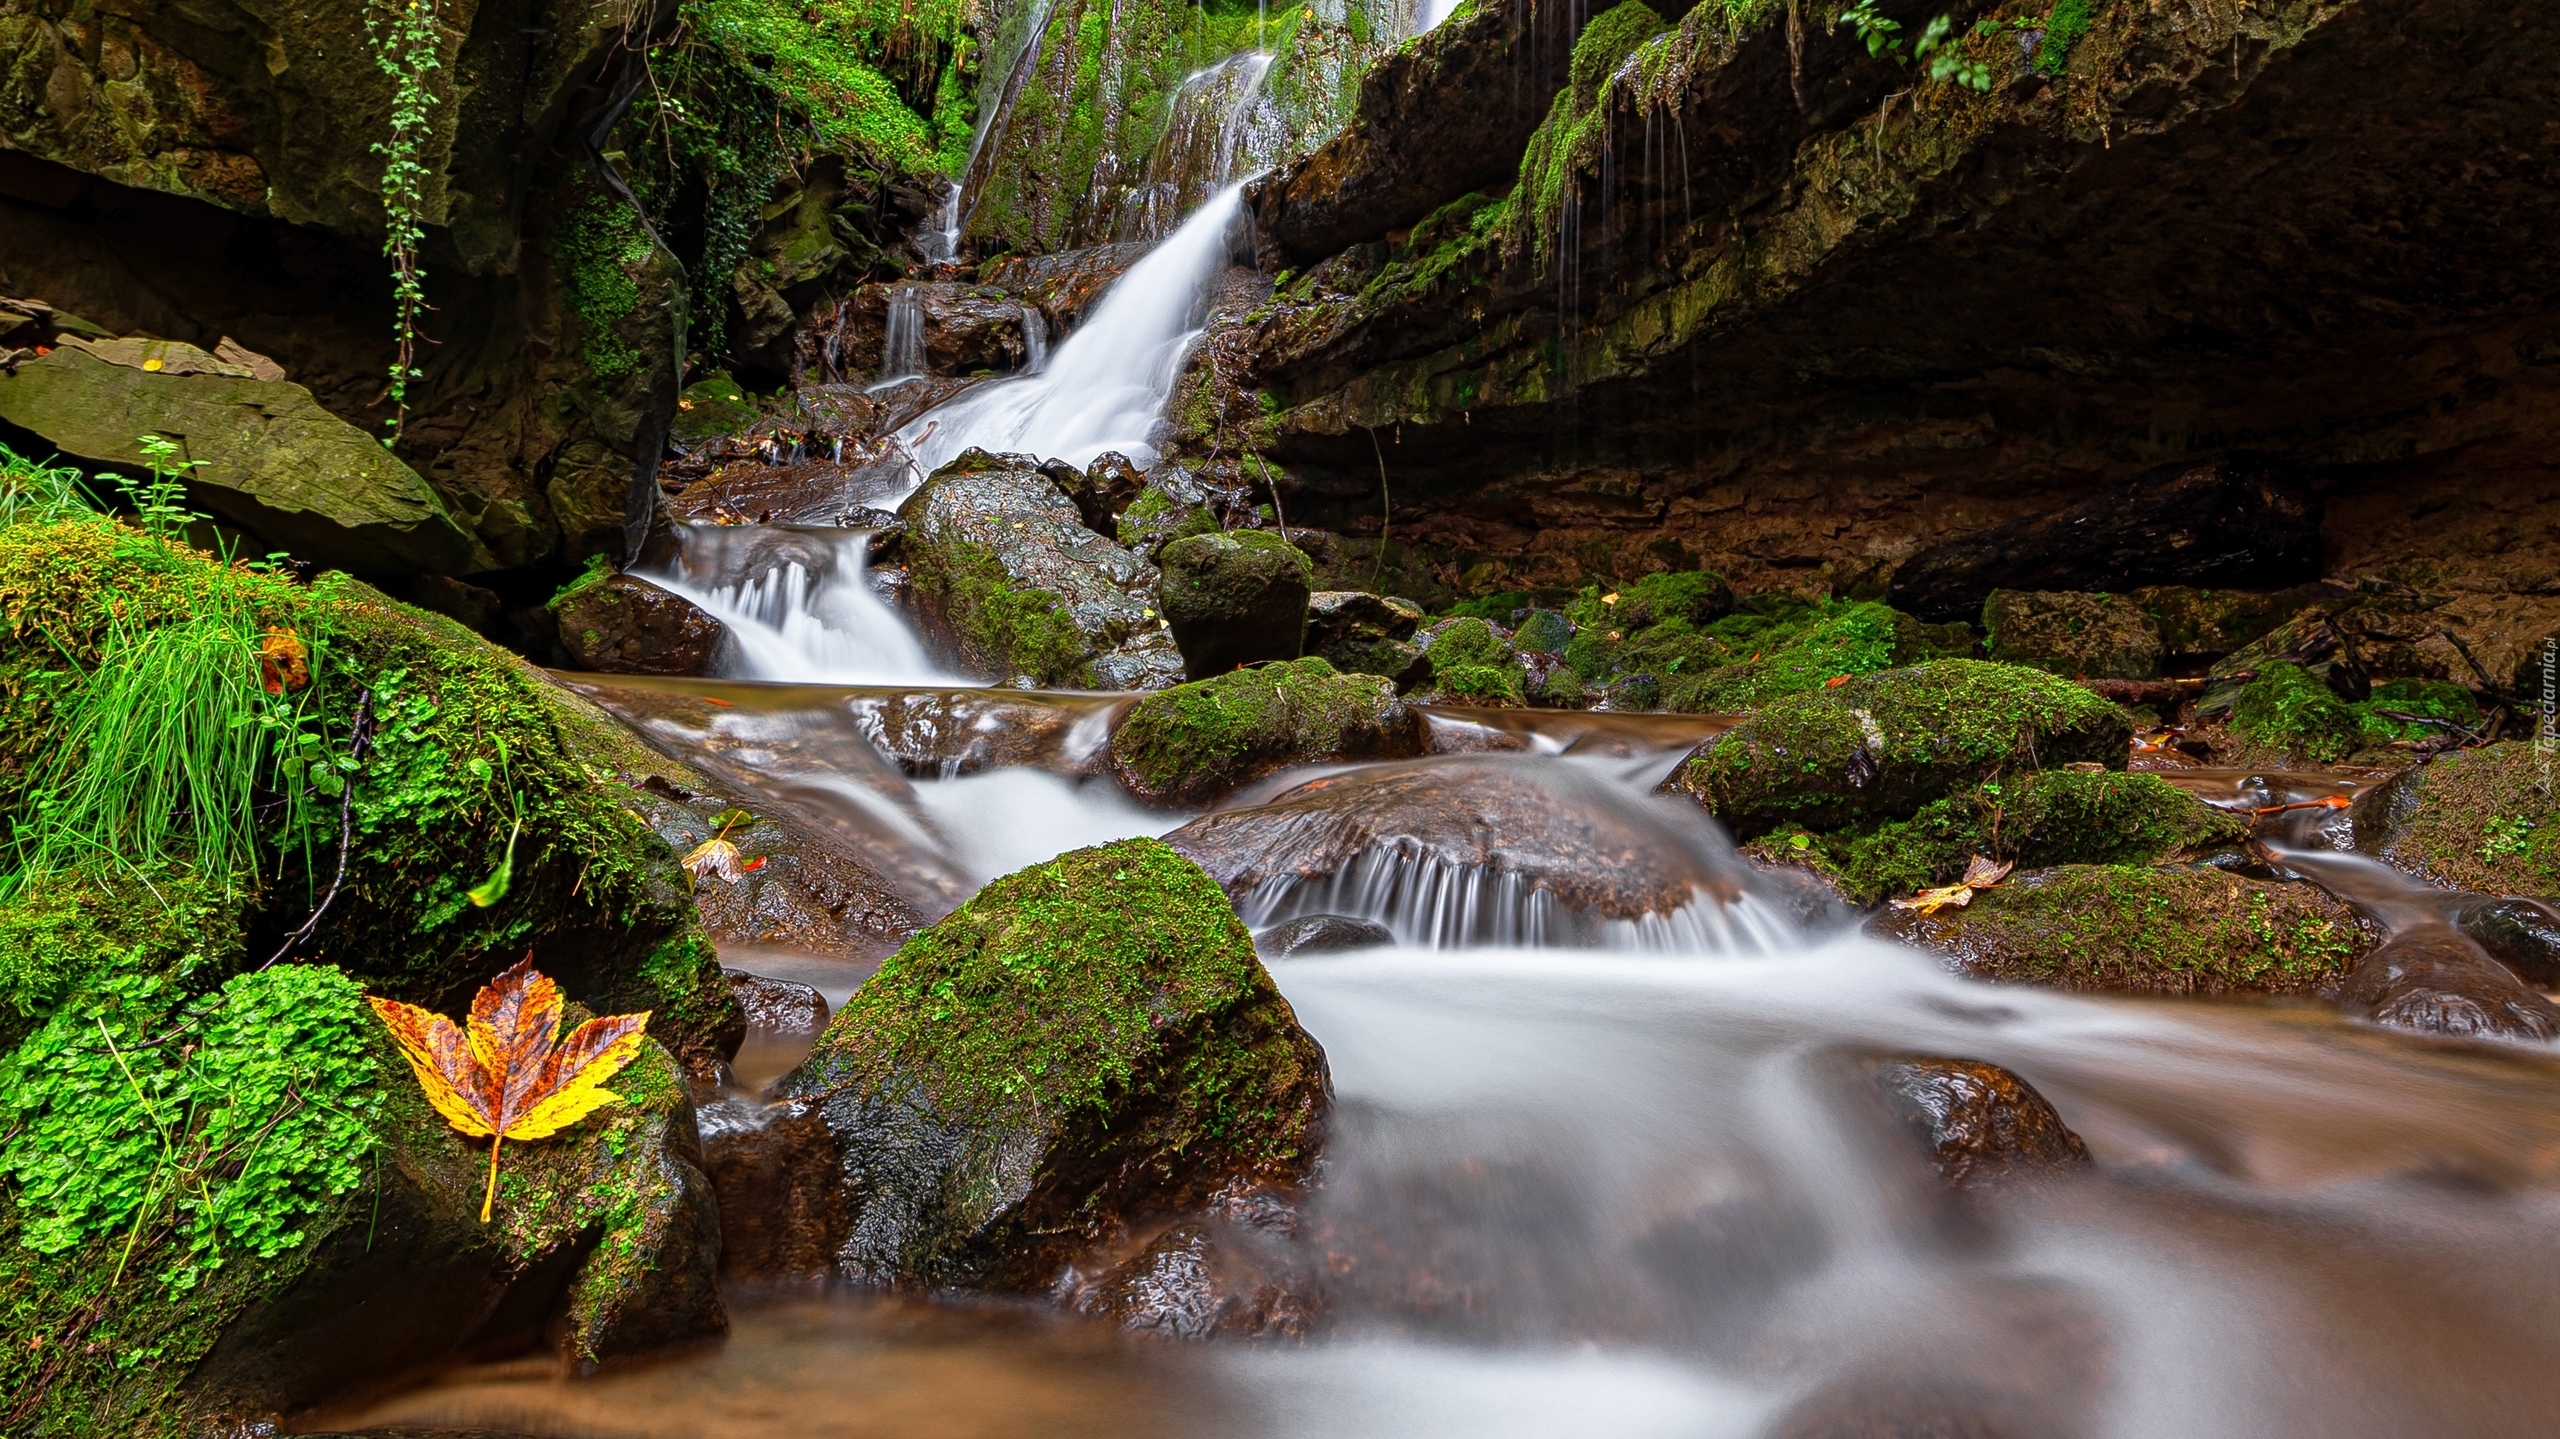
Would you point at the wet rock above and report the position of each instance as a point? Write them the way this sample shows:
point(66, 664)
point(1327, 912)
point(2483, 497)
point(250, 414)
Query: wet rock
point(2520, 934)
point(2478, 819)
point(1173, 505)
point(1979, 1124)
point(2085, 636)
point(268, 459)
point(1881, 745)
point(961, 330)
point(1360, 633)
point(1005, 569)
point(2035, 820)
point(2438, 981)
point(1102, 490)
point(1321, 934)
point(2286, 710)
point(1234, 599)
point(2127, 929)
point(966, 1082)
point(1198, 742)
point(2224, 521)
point(943, 734)
point(1201, 1279)
point(623, 624)
point(778, 1006)
point(1062, 284)
point(796, 887)
point(1487, 848)
point(2208, 624)
point(774, 1170)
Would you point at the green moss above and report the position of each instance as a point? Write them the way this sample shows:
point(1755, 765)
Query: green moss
point(600, 254)
point(2382, 711)
point(83, 925)
point(2147, 930)
point(2286, 708)
point(2064, 25)
point(1207, 737)
point(2043, 818)
point(2482, 820)
point(2087, 636)
point(1056, 992)
point(864, 75)
point(711, 406)
point(1879, 746)
point(1026, 631)
point(1568, 142)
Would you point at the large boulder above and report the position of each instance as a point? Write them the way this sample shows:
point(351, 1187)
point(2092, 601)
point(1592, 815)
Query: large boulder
point(1467, 849)
point(1196, 743)
point(2085, 636)
point(2480, 820)
point(1005, 567)
point(623, 624)
point(1881, 745)
point(263, 455)
point(1362, 633)
point(1086, 1041)
point(2128, 929)
point(2036, 820)
point(2224, 521)
point(1234, 598)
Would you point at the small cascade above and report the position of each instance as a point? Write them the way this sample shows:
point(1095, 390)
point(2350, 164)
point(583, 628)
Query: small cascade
point(940, 240)
point(1035, 340)
point(1218, 124)
point(902, 353)
point(798, 605)
point(1106, 384)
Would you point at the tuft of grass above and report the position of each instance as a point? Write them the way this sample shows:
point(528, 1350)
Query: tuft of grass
point(32, 492)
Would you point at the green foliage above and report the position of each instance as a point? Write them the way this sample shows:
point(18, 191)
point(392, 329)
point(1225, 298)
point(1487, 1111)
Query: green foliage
point(220, 1128)
point(404, 42)
point(601, 247)
point(2400, 709)
point(2063, 27)
point(1933, 51)
point(32, 493)
point(860, 76)
point(79, 926)
point(2504, 835)
point(1569, 141)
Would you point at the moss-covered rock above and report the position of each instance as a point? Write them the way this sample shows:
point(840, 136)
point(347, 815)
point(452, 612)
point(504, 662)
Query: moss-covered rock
point(1004, 565)
point(1880, 746)
point(2035, 820)
point(1195, 743)
point(2482, 820)
point(1235, 598)
point(1361, 633)
point(2129, 929)
point(1472, 662)
point(2287, 709)
point(255, 1285)
point(623, 624)
point(1085, 1040)
point(1171, 506)
point(2208, 624)
point(1679, 642)
point(2086, 636)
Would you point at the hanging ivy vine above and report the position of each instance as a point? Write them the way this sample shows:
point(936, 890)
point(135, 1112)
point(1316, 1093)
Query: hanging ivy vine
point(404, 40)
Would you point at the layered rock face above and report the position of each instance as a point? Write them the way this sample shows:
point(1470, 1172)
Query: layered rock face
point(1744, 305)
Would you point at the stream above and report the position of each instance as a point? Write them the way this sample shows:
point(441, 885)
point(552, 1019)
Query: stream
point(1609, 1180)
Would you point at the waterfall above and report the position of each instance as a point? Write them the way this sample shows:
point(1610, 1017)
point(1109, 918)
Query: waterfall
point(1035, 340)
point(902, 353)
point(1436, 11)
point(940, 240)
point(1217, 123)
point(798, 605)
point(1106, 384)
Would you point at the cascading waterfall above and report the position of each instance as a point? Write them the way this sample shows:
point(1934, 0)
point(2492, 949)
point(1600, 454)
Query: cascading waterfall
point(798, 605)
point(902, 351)
point(1218, 123)
point(1106, 384)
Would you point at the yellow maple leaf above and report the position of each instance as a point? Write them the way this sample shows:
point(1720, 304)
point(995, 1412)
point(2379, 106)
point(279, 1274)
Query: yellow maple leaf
point(501, 1077)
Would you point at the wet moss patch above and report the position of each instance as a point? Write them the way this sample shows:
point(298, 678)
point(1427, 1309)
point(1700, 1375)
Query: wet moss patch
point(1196, 742)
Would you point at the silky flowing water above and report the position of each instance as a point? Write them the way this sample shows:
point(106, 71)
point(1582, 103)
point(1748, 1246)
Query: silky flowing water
point(1614, 1180)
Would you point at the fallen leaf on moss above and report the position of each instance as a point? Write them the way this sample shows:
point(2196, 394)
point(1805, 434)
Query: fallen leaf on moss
point(503, 1078)
point(1981, 874)
point(284, 662)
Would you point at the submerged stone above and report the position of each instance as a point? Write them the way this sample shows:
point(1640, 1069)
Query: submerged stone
point(2127, 929)
point(1198, 742)
point(1005, 568)
point(1084, 1041)
point(1233, 599)
point(1321, 934)
point(1978, 1123)
point(2439, 981)
point(1880, 746)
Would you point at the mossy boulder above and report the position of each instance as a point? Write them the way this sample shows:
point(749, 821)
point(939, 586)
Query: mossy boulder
point(1196, 743)
point(623, 624)
point(1005, 569)
point(266, 1294)
point(269, 459)
point(2287, 709)
point(1085, 1041)
point(1235, 598)
point(1361, 633)
point(2484, 820)
point(1880, 746)
point(1472, 662)
point(1680, 642)
point(2132, 929)
point(2035, 820)
point(2085, 636)
point(1170, 506)
point(2208, 624)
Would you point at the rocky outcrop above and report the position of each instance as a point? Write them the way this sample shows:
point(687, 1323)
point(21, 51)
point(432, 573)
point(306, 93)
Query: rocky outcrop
point(261, 454)
point(623, 624)
point(2126, 929)
point(2479, 820)
point(1881, 745)
point(1911, 320)
point(1116, 1051)
point(1006, 570)
point(1197, 743)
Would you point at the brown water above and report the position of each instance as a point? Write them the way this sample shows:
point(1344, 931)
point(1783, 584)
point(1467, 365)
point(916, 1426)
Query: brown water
point(1600, 1191)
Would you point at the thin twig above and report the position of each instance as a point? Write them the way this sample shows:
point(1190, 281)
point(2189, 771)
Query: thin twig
point(1386, 509)
point(357, 744)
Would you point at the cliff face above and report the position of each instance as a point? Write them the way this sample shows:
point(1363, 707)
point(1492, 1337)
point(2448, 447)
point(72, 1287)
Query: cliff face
point(1793, 312)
